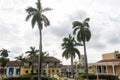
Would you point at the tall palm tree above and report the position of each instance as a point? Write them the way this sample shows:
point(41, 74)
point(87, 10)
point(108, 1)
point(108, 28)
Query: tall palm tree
point(83, 34)
point(32, 53)
point(69, 46)
point(44, 56)
point(4, 52)
point(39, 18)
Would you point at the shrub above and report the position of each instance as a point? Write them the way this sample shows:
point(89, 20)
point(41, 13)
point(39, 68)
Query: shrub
point(93, 76)
point(28, 77)
point(17, 78)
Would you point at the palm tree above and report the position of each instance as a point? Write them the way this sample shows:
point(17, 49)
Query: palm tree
point(4, 52)
point(45, 55)
point(32, 53)
point(69, 46)
point(3, 61)
point(39, 18)
point(83, 35)
point(21, 58)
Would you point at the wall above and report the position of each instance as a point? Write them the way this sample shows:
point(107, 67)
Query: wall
point(109, 56)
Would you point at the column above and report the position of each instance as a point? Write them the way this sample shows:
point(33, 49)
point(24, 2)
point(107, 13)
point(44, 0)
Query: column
point(113, 69)
point(97, 73)
point(106, 69)
point(101, 69)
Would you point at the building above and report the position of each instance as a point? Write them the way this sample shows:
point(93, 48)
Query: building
point(110, 64)
point(82, 60)
point(50, 66)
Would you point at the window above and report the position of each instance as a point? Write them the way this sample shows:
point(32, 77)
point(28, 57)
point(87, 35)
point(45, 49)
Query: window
point(26, 71)
point(30, 64)
point(52, 71)
point(44, 71)
point(17, 71)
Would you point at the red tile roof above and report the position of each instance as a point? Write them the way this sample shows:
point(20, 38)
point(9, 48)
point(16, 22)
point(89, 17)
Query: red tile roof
point(47, 59)
point(14, 63)
point(51, 59)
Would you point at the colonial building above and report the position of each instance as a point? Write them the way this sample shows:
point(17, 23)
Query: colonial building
point(50, 66)
point(110, 64)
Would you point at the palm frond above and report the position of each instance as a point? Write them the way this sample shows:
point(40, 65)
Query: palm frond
point(34, 20)
point(45, 20)
point(31, 10)
point(28, 16)
point(46, 9)
point(76, 23)
point(86, 20)
point(86, 25)
point(75, 30)
point(87, 34)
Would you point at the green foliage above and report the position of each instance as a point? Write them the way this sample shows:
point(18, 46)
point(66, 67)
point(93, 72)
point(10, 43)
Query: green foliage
point(21, 58)
point(69, 46)
point(3, 61)
point(17, 78)
point(4, 52)
point(93, 76)
point(32, 51)
point(28, 77)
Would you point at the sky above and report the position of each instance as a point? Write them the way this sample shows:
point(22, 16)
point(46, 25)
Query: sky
point(17, 35)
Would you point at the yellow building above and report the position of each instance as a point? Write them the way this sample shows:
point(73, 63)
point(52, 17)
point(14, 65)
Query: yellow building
point(110, 64)
point(50, 67)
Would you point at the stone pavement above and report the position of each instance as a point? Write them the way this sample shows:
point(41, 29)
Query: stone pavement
point(60, 78)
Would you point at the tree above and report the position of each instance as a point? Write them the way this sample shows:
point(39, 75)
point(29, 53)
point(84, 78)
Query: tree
point(32, 53)
point(21, 58)
point(3, 61)
point(83, 34)
point(39, 18)
point(4, 52)
point(69, 46)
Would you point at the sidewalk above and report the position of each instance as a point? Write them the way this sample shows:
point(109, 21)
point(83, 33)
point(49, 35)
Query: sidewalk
point(67, 79)
point(56, 76)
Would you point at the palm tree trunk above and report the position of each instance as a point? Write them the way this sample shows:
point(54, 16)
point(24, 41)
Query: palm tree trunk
point(40, 55)
point(72, 65)
point(86, 62)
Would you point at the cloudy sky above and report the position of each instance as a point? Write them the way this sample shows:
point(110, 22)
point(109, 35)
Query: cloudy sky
point(17, 36)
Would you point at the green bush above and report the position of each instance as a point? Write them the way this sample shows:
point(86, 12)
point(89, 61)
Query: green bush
point(27, 78)
point(93, 76)
point(43, 78)
point(17, 78)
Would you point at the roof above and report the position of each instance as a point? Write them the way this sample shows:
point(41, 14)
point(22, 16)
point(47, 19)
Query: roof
point(51, 59)
point(47, 59)
point(14, 63)
point(110, 60)
point(65, 66)
point(32, 59)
